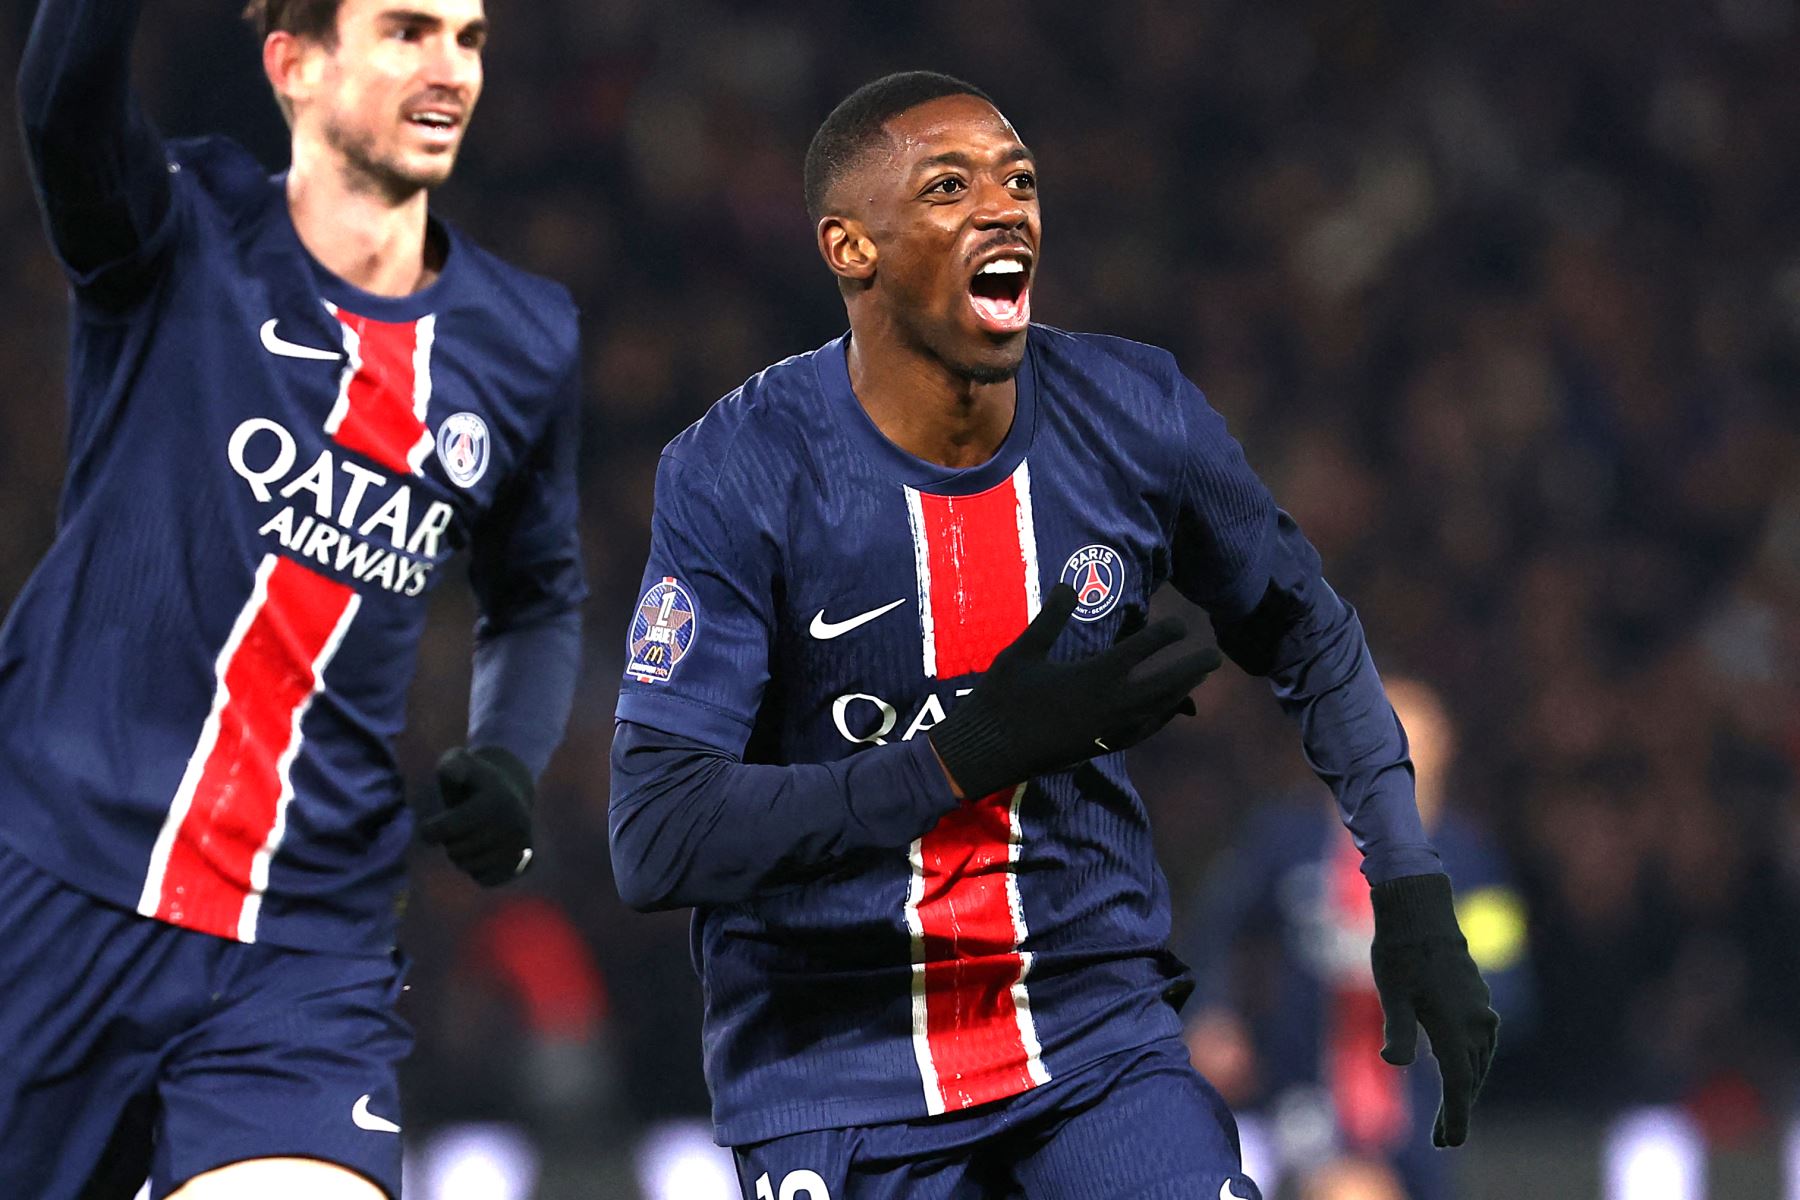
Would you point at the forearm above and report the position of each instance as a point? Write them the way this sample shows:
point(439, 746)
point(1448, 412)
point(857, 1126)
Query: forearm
point(1310, 644)
point(98, 164)
point(692, 826)
point(524, 686)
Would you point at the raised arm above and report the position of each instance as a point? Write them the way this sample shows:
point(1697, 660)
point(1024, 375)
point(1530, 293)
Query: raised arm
point(101, 176)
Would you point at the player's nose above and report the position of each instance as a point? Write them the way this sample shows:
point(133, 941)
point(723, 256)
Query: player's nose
point(453, 66)
point(999, 208)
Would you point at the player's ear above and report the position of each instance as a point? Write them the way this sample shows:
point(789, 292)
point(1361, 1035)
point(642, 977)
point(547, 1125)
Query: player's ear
point(847, 248)
point(291, 70)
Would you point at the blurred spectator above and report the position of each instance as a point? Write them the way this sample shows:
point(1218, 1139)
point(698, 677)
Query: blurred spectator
point(517, 1019)
point(1285, 1020)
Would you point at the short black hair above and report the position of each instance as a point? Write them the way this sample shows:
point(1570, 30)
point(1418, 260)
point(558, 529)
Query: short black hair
point(858, 120)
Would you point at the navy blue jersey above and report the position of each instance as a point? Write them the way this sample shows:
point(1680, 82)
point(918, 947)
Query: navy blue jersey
point(268, 470)
point(815, 595)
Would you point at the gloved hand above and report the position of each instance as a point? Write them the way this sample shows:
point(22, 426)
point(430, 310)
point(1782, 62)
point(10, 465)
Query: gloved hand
point(1028, 715)
point(485, 824)
point(1425, 976)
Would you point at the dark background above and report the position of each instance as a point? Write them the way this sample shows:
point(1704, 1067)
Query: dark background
point(1502, 297)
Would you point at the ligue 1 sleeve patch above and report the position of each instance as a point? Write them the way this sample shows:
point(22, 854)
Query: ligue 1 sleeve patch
point(662, 632)
point(1096, 573)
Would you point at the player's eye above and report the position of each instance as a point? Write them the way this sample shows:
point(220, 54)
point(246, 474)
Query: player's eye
point(472, 39)
point(1024, 181)
point(949, 185)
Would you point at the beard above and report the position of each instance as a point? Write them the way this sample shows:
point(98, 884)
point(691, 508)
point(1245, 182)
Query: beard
point(990, 372)
point(998, 365)
point(370, 172)
point(943, 342)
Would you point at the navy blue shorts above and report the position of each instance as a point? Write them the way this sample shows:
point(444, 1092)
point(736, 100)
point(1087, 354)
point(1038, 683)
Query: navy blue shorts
point(1140, 1125)
point(130, 1048)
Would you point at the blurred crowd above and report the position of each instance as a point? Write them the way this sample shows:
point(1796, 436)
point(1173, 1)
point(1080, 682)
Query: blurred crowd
point(1502, 298)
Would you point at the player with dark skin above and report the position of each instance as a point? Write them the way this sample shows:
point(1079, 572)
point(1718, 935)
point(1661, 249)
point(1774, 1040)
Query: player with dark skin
point(957, 190)
point(935, 949)
point(933, 365)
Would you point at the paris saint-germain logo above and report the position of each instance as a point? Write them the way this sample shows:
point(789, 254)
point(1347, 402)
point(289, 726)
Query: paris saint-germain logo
point(462, 446)
point(662, 631)
point(1098, 576)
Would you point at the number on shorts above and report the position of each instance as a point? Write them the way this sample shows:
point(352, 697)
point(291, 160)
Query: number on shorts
point(795, 1185)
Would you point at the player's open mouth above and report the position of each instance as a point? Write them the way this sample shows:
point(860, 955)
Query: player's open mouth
point(436, 124)
point(1000, 293)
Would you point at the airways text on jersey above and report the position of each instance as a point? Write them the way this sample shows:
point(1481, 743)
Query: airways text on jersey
point(383, 394)
point(336, 508)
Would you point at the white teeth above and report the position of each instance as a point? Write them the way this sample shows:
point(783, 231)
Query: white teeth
point(436, 120)
point(1003, 266)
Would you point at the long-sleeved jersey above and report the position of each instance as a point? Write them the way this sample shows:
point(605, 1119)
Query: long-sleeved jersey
point(268, 470)
point(816, 600)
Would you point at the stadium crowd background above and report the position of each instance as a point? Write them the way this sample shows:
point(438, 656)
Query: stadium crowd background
point(1503, 299)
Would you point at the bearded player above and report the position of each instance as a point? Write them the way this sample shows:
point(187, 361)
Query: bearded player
point(892, 644)
point(291, 401)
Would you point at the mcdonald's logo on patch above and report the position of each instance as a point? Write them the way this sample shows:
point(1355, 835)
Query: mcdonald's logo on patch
point(662, 631)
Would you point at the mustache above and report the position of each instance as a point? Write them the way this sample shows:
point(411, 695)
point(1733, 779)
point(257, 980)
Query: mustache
point(438, 95)
point(1004, 241)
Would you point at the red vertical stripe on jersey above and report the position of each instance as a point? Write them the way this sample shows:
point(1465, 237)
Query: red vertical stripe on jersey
point(977, 1029)
point(379, 413)
point(978, 602)
point(237, 793)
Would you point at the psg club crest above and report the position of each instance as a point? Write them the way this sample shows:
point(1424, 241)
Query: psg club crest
point(462, 446)
point(661, 632)
point(1098, 576)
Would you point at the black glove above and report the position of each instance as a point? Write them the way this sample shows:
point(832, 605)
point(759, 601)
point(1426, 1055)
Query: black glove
point(1426, 977)
point(485, 824)
point(1028, 715)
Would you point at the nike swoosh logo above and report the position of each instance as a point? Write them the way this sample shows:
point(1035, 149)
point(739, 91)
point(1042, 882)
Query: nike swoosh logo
point(362, 1118)
point(1227, 1192)
point(826, 630)
point(287, 349)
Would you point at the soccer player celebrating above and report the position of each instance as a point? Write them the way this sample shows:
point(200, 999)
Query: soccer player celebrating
point(291, 401)
point(891, 645)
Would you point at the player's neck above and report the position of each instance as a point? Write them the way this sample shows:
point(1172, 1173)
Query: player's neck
point(925, 408)
point(362, 236)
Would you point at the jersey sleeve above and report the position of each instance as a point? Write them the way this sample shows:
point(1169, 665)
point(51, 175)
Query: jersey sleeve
point(525, 554)
point(689, 825)
point(523, 686)
point(1247, 563)
point(102, 177)
point(1226, 527)
point(697, 651)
